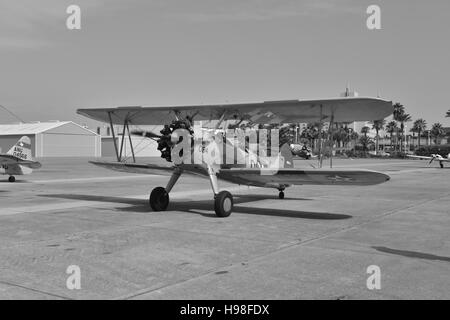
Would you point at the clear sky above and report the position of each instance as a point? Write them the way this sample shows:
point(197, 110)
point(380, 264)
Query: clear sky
point(164, 52)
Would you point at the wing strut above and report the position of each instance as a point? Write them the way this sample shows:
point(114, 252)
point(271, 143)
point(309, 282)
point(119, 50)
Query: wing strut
point(331, 130)
point(114, 136)
point(131, 144)
point(125, 130)
point(320, 135)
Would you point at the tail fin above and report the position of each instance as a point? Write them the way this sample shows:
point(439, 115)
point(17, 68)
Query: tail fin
point(286, 154)
point(22, 149)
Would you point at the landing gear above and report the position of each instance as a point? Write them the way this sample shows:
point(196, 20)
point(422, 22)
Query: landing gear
point(12, 179)
point(223, 200)
point(281, 194)
point(159, 199)
point(223, 204)
point(441, 164)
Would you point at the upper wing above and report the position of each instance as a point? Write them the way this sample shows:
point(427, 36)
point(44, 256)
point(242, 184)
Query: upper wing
point(12, 160)
point(267, 177)
point(346, 109)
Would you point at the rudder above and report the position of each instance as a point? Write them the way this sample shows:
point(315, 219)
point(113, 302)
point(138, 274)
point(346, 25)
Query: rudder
point(22, 149)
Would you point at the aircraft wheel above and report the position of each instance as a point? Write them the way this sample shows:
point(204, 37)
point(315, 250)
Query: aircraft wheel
point(281, 195)
point(159, 199)
point(223, 204)
point(12, 179)
point(442, 165)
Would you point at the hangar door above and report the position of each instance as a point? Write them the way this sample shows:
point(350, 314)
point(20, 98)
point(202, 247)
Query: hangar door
point(68, 145)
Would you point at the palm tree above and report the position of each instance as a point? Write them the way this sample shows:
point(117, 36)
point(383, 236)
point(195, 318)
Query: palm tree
point(377, 126)
point(365, 141)
point(365, 130)
point(399, 110)
point(354, 137)
point(419, 126)
point(311, 133)
point(391, 127)
point(401, 116)
point(437, 131)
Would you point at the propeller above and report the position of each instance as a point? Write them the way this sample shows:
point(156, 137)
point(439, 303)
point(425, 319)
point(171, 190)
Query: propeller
point(147, 134)
point(434, 157)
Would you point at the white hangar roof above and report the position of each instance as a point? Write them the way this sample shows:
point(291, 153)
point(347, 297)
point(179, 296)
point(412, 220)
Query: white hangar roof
point(32, 128)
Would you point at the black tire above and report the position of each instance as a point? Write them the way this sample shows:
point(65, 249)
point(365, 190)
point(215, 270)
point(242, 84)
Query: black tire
point(441, 164)
point(223, 204)
point(12, 179)
point(281, 195)
point(159, 199)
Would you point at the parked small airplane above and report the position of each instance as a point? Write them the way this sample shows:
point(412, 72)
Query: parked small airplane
point(433, 157)
point(261, 173)
point(302, 151)
point(18, 160)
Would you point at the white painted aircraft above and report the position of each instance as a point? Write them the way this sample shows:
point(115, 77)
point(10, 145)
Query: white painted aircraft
point(18, 160)
point(263, 174)
point(433, 157)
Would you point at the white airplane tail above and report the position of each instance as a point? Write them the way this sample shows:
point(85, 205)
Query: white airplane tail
point(22, 149)
point(286, 154)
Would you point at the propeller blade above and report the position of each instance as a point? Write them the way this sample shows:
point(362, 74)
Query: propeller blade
point(147, 134)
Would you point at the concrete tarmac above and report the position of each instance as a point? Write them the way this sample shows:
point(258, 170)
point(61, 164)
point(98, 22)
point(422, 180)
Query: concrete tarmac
point(317, 243)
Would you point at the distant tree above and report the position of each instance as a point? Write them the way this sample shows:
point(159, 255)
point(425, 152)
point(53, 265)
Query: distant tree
point(310, 133)
point(391, 127)
point(402, 117)
point(437, 132)
point(377, 126)
point(365, 141)
point(419, 126)
point(399, 109)
point(365, 130)
point(354, 136)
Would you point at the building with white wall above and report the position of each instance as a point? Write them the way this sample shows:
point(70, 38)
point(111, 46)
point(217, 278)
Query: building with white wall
point(53, 139)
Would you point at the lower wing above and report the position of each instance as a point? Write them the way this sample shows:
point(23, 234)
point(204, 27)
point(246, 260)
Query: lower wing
point(430, 158)
point(135, 167)
point(284, 177)
point(419, 157)
point(262, 177)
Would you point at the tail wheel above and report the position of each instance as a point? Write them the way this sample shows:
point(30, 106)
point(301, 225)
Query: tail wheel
point(12, 179)
point(223, 204)
point(441, 164)
point(159, 199)
point(281, 195)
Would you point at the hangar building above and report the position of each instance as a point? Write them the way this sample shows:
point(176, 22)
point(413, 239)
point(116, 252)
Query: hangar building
point(53, 139)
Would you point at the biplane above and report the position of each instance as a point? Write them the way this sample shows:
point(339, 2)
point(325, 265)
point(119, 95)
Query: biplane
point(275, 171)
point(18, 160)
